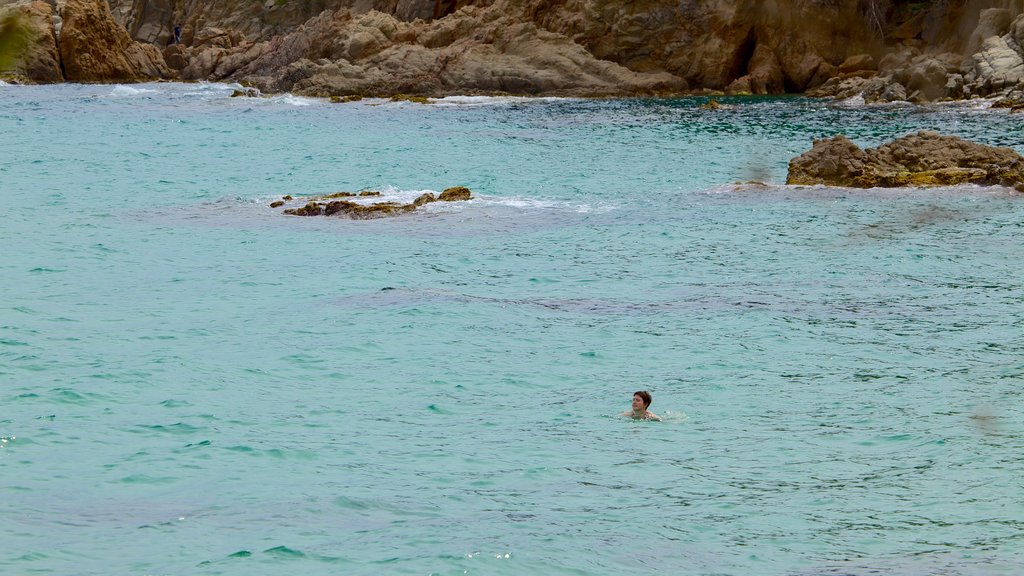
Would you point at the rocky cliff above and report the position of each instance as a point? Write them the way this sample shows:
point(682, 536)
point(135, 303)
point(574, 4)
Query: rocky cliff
point(882, 49)
point(79, 41)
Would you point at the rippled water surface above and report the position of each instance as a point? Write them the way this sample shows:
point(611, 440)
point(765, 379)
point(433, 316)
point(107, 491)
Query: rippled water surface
point(193, 383)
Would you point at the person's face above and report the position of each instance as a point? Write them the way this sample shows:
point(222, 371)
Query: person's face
point(638, 403)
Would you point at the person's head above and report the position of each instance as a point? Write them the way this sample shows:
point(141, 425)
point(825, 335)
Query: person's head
point(641, 399)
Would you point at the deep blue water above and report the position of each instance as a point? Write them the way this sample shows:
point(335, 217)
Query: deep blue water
point(193, 383)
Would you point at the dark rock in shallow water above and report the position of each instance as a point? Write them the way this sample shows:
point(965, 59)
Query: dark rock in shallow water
point(310, 209)
point(277, 204)
point(358, 211)
point(316, 206)
point(922, 159)
point(424, 199)
point(455, 193)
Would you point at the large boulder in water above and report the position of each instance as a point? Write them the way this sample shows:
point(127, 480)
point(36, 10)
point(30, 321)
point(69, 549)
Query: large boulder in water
point(922, 159)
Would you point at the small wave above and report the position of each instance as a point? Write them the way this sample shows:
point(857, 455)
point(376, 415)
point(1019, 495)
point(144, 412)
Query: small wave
point(972, 104)
point(548, 204)
point(853, 101)
point(476, 101)
point(292, 100)
point(672, 416)
point(122, 91)
point(206, 88)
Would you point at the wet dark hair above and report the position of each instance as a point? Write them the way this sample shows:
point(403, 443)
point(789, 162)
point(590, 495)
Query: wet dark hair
point(645, 396)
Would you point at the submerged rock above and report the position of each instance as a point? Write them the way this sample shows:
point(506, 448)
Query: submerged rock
point(366, 211)
point(345, 99)
point(922, 159)
point(310, 209)
point(410, 98)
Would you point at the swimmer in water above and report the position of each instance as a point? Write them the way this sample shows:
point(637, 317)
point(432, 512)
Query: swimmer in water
point(641, 400)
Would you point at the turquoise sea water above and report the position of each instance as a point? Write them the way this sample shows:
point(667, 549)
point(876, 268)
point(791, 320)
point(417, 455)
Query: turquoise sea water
point(194, 383)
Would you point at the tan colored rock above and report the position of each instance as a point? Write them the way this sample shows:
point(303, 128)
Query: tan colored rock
point(927, 76)
point(583, 47)
point(922, 159)
point(455, 193)
point(40, 62)
point(857, 63)
point(991, 22)
point(376, 54)
point(94, 48)
point(425, 198)
point(766, 76)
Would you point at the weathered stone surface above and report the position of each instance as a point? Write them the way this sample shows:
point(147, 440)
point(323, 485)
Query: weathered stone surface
point(922, 159)
point(856, 63)
point(997, 66)
point(572, 47)
point(40, 61)
point(94, 48)
point(455, 193)
point(932, 50)
point(927, 76)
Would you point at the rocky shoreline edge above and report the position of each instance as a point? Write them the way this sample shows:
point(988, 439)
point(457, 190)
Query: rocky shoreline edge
point(914, 52)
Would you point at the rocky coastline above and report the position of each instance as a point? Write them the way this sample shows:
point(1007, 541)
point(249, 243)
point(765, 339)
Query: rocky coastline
point(878, 50)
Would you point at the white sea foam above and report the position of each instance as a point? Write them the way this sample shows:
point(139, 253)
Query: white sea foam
point(292, 100)
point(122, 91)
point(543, 204)
point(407, 196)
point(972, 104)
point(476, 101)
point(857, 100)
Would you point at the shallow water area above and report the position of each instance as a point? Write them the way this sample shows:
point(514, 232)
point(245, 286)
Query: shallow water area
point(196, 383)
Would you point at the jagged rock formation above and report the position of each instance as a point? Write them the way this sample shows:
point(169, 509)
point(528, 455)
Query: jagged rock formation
point(79, 41)
point(95, 48)
point(881, 49)
point(922, 159)
point(983, 57)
